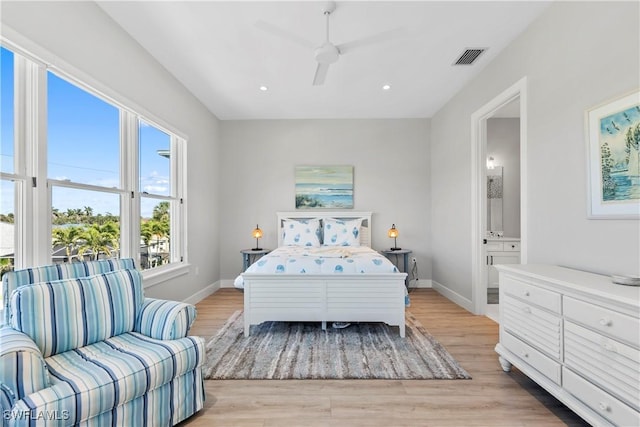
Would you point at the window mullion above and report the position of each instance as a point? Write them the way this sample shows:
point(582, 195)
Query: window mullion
point(130, 202)
point(31, 160)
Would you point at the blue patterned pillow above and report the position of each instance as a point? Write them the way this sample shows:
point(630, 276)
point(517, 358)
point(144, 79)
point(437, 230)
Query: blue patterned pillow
point(342, 233)
point(303, 232)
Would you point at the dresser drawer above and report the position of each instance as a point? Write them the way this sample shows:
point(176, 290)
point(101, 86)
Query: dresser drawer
point(615, 325)
point(598, 400)
point(494, 246)
point(532, 294)
point(533, 357)
point(611, 365)
point(535, 326)
point(511, 246)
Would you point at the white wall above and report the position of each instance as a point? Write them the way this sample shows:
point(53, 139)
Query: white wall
point(503, 144)
point(81, 35)
point(576, 55)
point(391, 178)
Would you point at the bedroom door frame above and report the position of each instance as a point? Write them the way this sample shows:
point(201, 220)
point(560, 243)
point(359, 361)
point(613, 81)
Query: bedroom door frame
point(479, 190)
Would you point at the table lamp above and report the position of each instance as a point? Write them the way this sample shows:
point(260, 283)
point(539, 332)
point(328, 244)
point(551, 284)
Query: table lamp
point(257, 233)
point(393, 232)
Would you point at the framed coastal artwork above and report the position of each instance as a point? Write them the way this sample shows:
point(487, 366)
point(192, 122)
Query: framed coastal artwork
point(324, 187)
point(613, 131)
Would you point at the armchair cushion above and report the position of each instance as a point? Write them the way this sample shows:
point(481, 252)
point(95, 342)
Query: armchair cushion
point(102, 376)
point(165, 320)
point(74, 313)
point(12, 280)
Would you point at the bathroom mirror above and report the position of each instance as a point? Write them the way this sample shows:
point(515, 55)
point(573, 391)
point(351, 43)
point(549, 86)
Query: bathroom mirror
point(494, 201)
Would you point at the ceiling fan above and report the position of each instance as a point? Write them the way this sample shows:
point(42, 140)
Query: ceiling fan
point(328, 53)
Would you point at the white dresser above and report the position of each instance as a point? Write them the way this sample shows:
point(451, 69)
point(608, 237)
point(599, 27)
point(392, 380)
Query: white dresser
point(577, 335)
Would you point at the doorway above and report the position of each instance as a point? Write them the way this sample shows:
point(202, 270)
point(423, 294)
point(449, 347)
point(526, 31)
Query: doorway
point(484, 195)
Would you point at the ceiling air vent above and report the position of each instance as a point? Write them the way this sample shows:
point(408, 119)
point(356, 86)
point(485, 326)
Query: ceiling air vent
point(469, 56)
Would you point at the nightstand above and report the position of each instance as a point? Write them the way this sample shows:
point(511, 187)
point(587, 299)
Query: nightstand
point(405, 258)
point(249, 256)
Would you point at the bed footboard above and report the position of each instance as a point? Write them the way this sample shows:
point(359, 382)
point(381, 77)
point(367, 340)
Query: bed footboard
point(317, 298)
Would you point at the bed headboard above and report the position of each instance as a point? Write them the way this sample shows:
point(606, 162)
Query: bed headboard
point(365, 230)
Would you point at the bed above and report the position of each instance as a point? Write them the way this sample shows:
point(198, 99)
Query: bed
point(329, 282)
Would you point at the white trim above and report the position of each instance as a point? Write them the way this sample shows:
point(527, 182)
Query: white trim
point(226, 283)
point(155, 276)
point(24, 46)
point(478, 189)
point(453, 296)
point(420, 283)
point(202, 294)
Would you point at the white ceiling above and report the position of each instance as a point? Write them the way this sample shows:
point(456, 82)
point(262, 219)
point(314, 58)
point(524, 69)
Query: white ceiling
point(221, 52)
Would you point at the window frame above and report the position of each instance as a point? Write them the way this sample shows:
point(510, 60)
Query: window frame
point(33, 204)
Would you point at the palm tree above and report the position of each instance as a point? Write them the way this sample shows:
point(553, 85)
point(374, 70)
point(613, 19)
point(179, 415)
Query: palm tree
point(161, 212)
point(100, 238)
point(95, 241)
point(67, 237)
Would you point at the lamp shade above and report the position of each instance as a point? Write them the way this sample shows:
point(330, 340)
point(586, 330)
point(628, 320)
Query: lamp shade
point(257, 232)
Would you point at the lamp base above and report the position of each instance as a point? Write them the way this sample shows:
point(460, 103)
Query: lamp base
point(396, 249)
point(256, 249)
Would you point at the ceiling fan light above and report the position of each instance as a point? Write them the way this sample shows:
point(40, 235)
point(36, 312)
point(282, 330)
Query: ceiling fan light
point(327, 54)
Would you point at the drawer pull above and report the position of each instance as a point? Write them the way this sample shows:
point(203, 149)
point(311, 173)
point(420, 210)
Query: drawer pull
point(526, 293)
point(526, 309)
point(605, 321)
point(603, 406)
point(525, 354)
point(610, 347)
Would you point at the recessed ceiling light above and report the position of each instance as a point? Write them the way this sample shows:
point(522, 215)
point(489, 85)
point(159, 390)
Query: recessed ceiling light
point(264, 88)
point(386, 87)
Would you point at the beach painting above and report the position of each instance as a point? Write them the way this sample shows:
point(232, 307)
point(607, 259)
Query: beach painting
point(614, 148)
point(324, 187)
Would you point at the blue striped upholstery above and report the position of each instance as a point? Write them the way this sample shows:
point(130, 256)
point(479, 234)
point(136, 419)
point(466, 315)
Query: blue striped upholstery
point(107, 374)
point(167, 405)
point(165, 320)
point(22, 367)
point(77, 312)
point(14, 279)
point(111, 357)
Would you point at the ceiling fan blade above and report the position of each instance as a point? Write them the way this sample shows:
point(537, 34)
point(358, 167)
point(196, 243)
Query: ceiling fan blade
point(372, 39)
point(321, 73)
point(277, 31)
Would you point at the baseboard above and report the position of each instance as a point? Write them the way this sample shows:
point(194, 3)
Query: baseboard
point(424, 283)
point(226, 283)
point(202, 294)
point(453, 296)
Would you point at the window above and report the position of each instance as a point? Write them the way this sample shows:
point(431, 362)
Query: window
point(8, 183)
point(159, 200)
point(111, 183)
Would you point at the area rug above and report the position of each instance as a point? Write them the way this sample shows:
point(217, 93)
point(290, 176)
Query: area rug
point(298, 350)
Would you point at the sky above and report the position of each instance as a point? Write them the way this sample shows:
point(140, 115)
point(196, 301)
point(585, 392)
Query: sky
point(83, 146)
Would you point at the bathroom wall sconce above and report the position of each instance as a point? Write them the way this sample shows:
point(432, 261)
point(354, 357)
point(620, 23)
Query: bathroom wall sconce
point(491, 163)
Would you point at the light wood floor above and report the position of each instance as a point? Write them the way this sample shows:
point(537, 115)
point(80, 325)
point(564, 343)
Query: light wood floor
point(491, 398)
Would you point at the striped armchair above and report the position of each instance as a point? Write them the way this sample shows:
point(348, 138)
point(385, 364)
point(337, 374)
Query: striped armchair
point(84, 347)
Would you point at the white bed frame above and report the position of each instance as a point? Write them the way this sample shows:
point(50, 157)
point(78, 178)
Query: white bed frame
point(376, 297)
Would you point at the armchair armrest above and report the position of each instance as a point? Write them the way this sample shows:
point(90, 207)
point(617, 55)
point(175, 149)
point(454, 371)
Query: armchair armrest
point(22, 367)
point(165, 320)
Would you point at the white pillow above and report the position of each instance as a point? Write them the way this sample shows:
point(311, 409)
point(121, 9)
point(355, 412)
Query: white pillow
point(302, 232)
point(339, 232)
